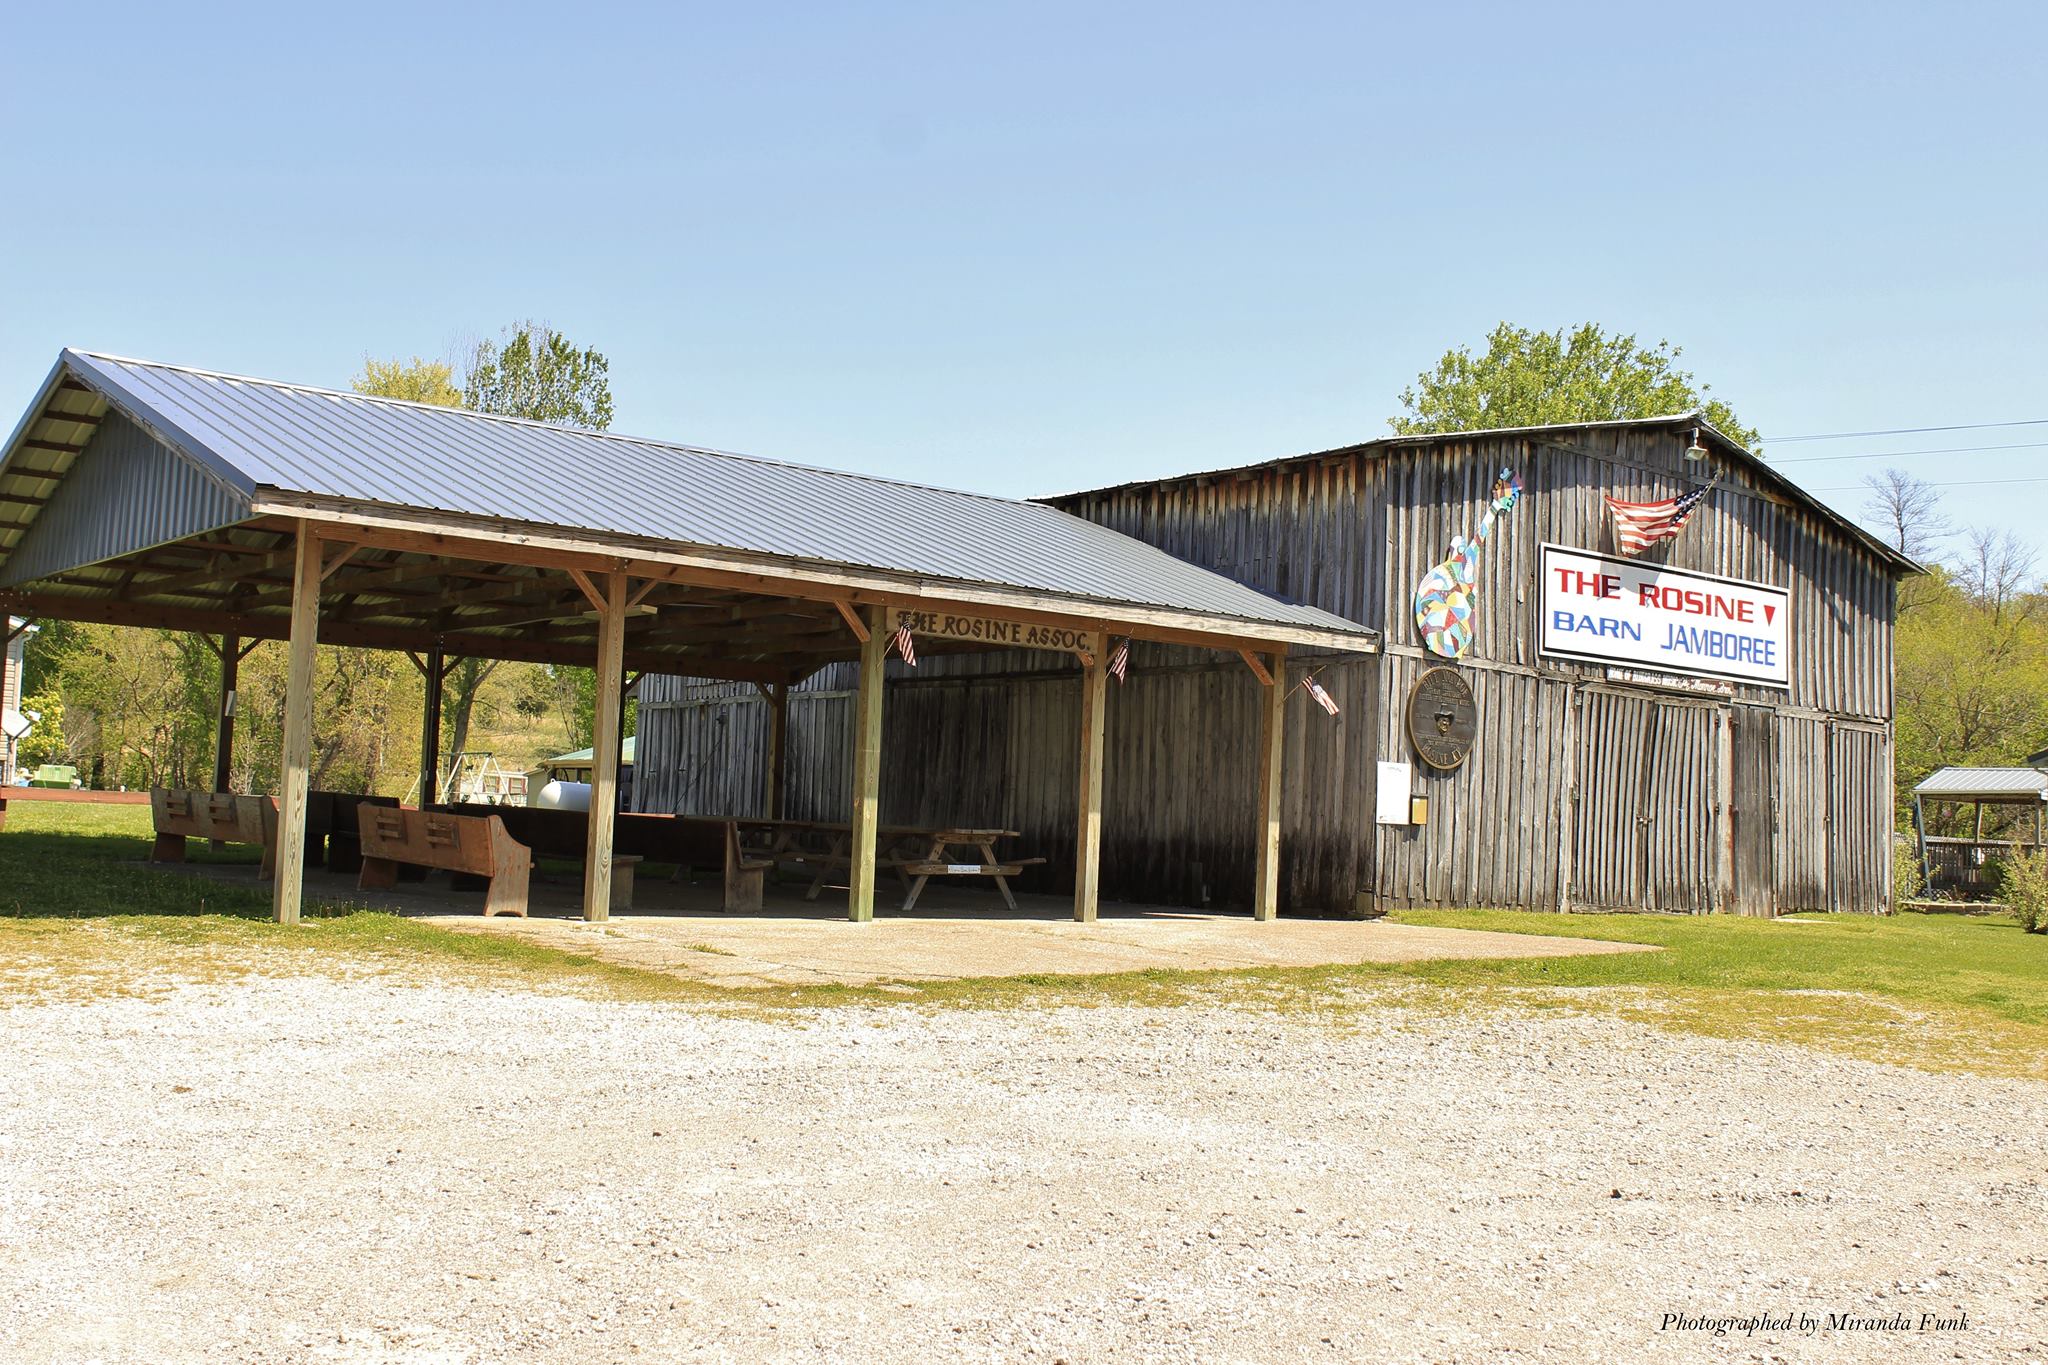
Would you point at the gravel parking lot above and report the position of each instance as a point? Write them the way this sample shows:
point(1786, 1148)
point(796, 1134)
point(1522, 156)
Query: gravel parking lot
point(316, 1169)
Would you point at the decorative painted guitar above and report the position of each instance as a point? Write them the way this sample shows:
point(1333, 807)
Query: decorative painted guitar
point(1443, 599)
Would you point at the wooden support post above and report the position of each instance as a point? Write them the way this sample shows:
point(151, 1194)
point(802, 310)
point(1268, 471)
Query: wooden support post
point(434, 670)
point(7, 634)
point(778, 741)
point(626, 695)
point(1272, 736)
point(1088, 839)
point(224, 735)
point(1920, 837)
point(604, 754)
point(295, 773)
point(867, 770)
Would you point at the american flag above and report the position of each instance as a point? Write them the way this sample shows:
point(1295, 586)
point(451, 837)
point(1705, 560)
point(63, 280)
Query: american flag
point(903, 645)
point(1639, 525)
point(1323, 699)
point(1120, 659)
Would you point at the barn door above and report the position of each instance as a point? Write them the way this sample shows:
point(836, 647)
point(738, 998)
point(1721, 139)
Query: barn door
point(1679, 782)
point(1610, 842)
point(1643, 816)
point(1753, 808)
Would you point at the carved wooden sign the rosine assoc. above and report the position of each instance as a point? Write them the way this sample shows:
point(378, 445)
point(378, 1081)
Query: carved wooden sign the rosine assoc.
point(1443, 719)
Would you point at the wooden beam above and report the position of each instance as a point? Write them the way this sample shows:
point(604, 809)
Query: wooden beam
point(583, 581)
point(604, 756)
point(62, 447)
point(335, 558)
point(640, 595)
point(7, 628)
point(1272, 742)
point(295, 777)
point(216, 572)
point(433, 673)
point(852, 618)
point(224, 736)
point(778, 739)
point(1088, 840)
point(109, 611)
point(499, 541)
point(867, 770)
point(1257, 666)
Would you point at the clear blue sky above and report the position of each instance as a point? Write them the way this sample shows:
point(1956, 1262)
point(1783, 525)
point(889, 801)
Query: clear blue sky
point(1031, 247)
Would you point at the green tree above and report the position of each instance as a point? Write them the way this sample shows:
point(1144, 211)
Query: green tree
point(533, 372)
point(1529, 378)
point(45, 742)
point(538, 373)
point(416, 380)
point(1970, 673)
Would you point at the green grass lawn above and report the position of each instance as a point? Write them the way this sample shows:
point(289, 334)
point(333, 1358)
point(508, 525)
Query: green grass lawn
point(80, 914)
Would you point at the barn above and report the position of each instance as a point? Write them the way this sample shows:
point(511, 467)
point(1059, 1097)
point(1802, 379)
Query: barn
point(1702, 725)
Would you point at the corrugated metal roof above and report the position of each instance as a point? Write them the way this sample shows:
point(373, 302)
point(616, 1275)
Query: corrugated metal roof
point(1385, 445)
point(253, 434)
point(1988, 784)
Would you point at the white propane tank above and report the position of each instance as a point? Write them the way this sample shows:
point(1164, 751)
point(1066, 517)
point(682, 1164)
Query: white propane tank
point(563, 796)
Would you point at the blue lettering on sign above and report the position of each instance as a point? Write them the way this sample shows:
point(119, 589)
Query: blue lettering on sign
point(1722, 644)
point(1566, 622)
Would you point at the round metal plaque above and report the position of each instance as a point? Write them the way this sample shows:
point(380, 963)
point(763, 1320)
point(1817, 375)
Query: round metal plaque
point(1442, 717)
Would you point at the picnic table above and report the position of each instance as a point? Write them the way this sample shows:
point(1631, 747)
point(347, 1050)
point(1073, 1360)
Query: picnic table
point(914, 853)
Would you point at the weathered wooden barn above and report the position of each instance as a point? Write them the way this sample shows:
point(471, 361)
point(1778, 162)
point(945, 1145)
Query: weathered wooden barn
point(1744, 766)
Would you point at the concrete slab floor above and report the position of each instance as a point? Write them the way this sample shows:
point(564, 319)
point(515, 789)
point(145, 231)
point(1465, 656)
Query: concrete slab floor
point(958, 930)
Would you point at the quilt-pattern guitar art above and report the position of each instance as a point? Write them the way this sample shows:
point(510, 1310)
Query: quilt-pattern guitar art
point(1443, 599)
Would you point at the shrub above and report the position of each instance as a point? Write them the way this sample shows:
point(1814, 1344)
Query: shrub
point(1908, 881)
point(2023, 888)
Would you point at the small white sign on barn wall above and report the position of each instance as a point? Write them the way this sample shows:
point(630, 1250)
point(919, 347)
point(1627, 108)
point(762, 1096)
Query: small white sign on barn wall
point(1396, 781)
point(1599, 609)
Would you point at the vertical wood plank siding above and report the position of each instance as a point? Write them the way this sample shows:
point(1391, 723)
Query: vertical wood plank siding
point(1582, 791)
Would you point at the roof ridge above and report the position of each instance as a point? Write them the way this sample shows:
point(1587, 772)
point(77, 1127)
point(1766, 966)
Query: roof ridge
point(647, 441)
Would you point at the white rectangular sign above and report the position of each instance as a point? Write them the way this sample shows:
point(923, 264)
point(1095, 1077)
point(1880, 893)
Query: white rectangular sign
point(1392, 806)
point(1600, 609)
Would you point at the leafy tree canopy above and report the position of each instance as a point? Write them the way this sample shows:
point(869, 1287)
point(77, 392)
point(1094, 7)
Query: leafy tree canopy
point(417, 380)
point(1530, 378)
point(538, 373)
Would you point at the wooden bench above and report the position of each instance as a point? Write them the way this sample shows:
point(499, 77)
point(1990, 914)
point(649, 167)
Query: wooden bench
point(746, 871)
point(221, 817)
point(471, 845)
point(332, 816)
point(227, 818)
point(565, 834)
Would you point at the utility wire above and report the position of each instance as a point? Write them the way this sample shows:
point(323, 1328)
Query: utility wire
point(1901, 454)
point(1965, 483)
point(1902, 431)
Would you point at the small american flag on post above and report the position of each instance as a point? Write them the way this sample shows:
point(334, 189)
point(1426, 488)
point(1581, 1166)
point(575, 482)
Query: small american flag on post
point(1120, 658)
point(1639, 525)
point(904, 646)
point(1323, 698)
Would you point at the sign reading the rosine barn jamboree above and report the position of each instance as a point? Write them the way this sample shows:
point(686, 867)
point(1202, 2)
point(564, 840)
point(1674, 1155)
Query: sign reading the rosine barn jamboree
point(1600, 609)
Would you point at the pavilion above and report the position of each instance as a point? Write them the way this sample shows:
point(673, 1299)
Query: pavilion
point(136, 493)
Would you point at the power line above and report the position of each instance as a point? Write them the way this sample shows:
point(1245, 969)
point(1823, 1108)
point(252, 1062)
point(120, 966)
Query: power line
point(1901, 454)
point(1902, 431)
point(1964, 483)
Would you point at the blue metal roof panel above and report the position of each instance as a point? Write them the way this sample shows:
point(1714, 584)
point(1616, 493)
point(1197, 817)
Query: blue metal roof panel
point(1967, 784)
point(343, 445)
